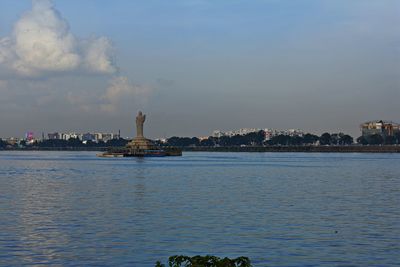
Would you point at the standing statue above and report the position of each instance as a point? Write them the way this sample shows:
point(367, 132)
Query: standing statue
point(140, 118)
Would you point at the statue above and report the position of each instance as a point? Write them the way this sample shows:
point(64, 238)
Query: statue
point(140, 146)
point(140, 118)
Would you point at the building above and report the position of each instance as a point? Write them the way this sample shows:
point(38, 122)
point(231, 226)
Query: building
point(12, 141)
point(94, 137)
point(242, 131)
point(379, 127)
point(53, 136)
point(269, 133)
point(88, 137)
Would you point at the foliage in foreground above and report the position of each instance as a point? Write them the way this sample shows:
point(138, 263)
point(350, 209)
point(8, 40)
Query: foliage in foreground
point(205, 261)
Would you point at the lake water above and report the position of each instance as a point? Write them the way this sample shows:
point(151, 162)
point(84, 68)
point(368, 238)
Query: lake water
point(279, 209)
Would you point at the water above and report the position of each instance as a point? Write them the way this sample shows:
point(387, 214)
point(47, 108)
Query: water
point(279, 209)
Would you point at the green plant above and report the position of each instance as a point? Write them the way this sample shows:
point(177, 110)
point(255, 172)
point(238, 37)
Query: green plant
point(205, 261)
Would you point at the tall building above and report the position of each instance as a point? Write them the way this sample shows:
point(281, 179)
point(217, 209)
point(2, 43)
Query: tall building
point(380, 127)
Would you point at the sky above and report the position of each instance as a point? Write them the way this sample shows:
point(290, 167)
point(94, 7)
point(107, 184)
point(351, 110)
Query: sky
point(194, 66)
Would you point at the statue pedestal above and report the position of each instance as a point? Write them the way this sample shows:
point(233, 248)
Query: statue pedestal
point(141, 143)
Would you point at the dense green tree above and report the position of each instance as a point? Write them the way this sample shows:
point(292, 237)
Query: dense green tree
point(224, 141)
point(296, 140)
point(346, 140)
point(22, 143)
point(89, 143)
point(183, 141)
point(390, 140)
point(120, 142)
point(325, 139)
point(283, 140)
point(255, 139)
point(397, 137)
point(309, 139)
point(53, 143)
point(335, 138)
point(3, 144)
point(74, 142)
point(375, 139)
point(362, 140)
point(205, 261)
point(208, 142)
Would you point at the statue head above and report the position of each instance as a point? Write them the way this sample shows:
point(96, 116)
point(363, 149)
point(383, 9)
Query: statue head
point(140, 113)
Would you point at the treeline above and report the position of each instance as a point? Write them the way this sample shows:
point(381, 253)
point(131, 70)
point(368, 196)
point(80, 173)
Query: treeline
point(255, 139)
point(205, 261)
point(377, 139)
point(75, 142)
point(258, 139)
point(72, 142)
point(3, 144)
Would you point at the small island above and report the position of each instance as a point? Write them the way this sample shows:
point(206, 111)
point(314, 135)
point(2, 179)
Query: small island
point(141, 146)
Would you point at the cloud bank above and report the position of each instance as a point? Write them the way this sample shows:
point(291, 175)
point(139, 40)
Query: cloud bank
point(120, 90)
point(41, 42)
point(41, 45)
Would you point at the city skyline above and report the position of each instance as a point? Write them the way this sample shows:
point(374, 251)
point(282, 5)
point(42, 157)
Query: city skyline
point(197, 66)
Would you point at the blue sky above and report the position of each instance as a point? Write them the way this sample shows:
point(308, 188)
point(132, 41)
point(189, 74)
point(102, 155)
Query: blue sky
point(195, 66)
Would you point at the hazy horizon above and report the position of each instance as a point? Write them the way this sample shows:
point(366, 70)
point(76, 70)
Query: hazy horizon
point(195, 66)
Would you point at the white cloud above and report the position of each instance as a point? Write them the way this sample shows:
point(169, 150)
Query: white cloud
point(5, 50)
point(98, 56)
point(120, 90)
point(42, 42)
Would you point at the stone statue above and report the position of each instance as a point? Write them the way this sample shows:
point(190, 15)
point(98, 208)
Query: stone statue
point(140, 118)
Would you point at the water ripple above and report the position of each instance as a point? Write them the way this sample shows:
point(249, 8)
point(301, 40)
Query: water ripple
point(279, 209)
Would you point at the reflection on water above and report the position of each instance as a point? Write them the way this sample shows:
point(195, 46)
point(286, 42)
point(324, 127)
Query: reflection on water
point(59, 208)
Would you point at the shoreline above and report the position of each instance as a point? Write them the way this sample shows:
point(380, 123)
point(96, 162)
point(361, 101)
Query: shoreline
point(288, 149)
point(302, 149)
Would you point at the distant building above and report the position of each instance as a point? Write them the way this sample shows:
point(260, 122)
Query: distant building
point(67, 136)
point(380, 127)
point(12, 140)
point(88, 137)
point(269, 133)
point(218, 134)
point(242, 131)
point(94, 137)
point(29, 138)
point(53, 136)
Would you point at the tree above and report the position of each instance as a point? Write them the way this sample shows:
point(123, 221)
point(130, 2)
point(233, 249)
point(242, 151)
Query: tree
point(120, 142)
point(22, 143)
point(224, 141)
point(296, 140)
point(397, 137)
point(206, 261)
point(255, 139)
point(375, 139)
point(283, 140)
point(346, 140)
point(362, 140)
point(209, 142)
point(183, 141)
point(335, 138)
point(3, 144)
point(390, 140)
point(310, 139)
point(54, 143)
point(325, 139)
point(74, 142)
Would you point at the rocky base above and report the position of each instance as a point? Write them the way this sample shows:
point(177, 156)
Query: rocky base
point(141, 143)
